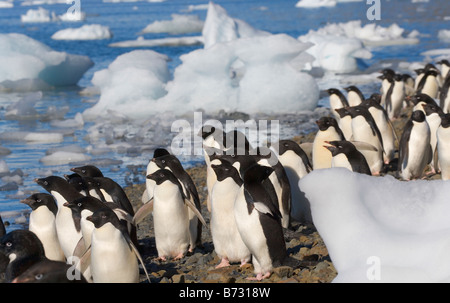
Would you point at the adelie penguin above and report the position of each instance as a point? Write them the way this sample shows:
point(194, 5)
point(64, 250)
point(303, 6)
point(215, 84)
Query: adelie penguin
point(48, 271)
point(328, 131)
point(443, 146)
point(296, 163)
point(346, 155)
point(227, 241)
point(366, 130)
point(151, 168)
point(23, 249)
point(429, 84)
point(171, 217)
point(395, 96)
point(345, 122)
point(415, 151)
point(42, 223)
point(114, 258)
point(67, 222)
point(433, 116)
point(259, 223)
point(444, 96)
point(337, 100)
point(354, 95)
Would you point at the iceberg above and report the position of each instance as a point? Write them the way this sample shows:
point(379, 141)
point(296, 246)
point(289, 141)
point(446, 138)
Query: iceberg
point(444, 35)
point(169, 41)
point(64, 157)
point(86, 32)
point(179, 24)
point(23, 58)
point(38, 15)
point(6, 4)
point(380, 229)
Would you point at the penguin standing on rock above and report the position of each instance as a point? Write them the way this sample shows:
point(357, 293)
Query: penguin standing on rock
point(415, 151)
point(328, 131)
point(259, 222)
point(42, 223)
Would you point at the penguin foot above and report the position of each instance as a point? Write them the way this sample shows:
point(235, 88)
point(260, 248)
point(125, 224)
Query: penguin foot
point(161, 258)
point(243, 263)
point(259, 277)
point(179, 256)
point(223, 263)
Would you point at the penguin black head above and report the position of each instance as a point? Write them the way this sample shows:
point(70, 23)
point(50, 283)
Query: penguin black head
point(419, 71)
point(285, 145)
point(429, 67)
point(422, 98)
point(444, 62)
point(375, 97)
point(90, 203)
point(102, 216)
point(432, 72)
point(166, 161)
point(159, 152)
point(418, 116)
point(445, 120)
point(21, 244)
point(52, 182)
point(41, 199)
point(206, 131)
point(48, 271)
point(226, 170)
point(339, 147)
point(334, 91)
point(162, 175)
point(343, 112)
point(432, 109)
point(257, 173)
point(88, 171)
point(78, 182)
point(358, 110)
point(325, 122)
point(398, 77)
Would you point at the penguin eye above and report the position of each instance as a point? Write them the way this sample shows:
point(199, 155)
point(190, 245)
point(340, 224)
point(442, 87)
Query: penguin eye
point(103, 216)
point(8, 244)
point(38, 276)
point(340, 146)
point(83, 171)
point(79, 204)
point(163, 161)
point(45, 182)
point(38, 200)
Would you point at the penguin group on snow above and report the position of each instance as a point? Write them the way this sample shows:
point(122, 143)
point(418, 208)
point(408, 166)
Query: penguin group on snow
point(84, 227)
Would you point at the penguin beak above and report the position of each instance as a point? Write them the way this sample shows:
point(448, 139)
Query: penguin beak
point(27, 201)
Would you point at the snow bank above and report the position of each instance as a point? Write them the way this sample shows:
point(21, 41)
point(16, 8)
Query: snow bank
point(380, 229)
point(219, 27)
point(86, 32)
point(130, 84)
point(179, 24)
point(22, 57)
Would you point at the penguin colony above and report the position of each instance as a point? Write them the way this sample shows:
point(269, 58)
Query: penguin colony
point(83, 228)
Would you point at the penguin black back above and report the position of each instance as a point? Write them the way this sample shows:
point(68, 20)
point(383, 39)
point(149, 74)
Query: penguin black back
point(355, 158)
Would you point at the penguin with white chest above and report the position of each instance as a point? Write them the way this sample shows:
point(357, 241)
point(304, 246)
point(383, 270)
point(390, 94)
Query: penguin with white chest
point(444, 96)
point(345, 122)
point(227, 241)
point(171, 216)
point(328, 131)
point(415, 151)
point(395, 96)
point(354, 95)
point(42, 223)
point(429, 83)
point(296, 164)
point(259, 222)
point(443, 146)
point(366, 130)
point(433, 116)
point(151, 168)
point(114, 258)
point(337, 100)
point(67, 222)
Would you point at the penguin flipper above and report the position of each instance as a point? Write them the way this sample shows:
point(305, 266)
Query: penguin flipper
point(143, 212)
point(192, 206)
point(364, 146)
point(85, 260)
point(138, 255)
point(124, 215)
point(80, 249)
point(307, 148)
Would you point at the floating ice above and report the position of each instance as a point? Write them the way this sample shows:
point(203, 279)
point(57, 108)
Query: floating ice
point(86, 32)
point(22, 57)
point(6, 4)
point(38, 15)
point(380, 229)
point(444, 35)
point(315, 3)
point(169, 41)
point(219, 27)
point(32, 137)
point(130, 84)
point(179, 24)
point(64, 157)
point(41, 2)
point(76, 122)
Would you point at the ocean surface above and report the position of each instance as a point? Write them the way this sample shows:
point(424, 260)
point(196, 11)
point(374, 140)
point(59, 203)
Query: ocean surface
point(126, 20)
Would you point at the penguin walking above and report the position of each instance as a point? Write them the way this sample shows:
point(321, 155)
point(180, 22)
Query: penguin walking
point(227, 241)
point(297, 165)
point(337, 100)
point(366, 130)
point(346, 155)
point(328, 131)
point(22, 249)
point(395, 96)
point(384, 124)
point(443, 146)
point(67, 222)
point(114, 258)
point(42, 222)
point(50, 271)
point(170, 216)
point(259, 222)
point(433, 116)
point(415, 150)
point(354, 95)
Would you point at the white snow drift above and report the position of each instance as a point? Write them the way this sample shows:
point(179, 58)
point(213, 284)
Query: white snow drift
point(380, 229)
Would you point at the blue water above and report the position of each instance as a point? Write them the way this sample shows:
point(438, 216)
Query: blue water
point(126, 20)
